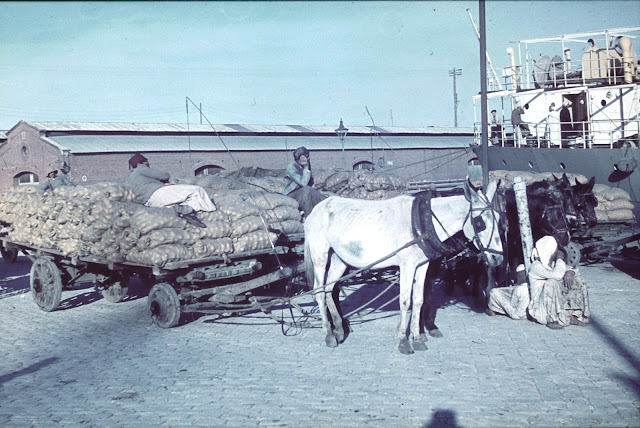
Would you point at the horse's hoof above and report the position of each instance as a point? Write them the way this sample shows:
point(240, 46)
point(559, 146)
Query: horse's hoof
point(339, 335)
point(423, 338)
point(404, 347)
point(331, 341)
point(419, 345)
point(435, 333)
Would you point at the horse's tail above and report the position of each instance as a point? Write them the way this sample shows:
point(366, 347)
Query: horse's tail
point(308, 264)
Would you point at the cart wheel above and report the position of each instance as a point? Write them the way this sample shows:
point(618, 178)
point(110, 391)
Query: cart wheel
point(164, 305)
point(573, 251)
point(117, 291)
point(45, 283)
point(9, 255)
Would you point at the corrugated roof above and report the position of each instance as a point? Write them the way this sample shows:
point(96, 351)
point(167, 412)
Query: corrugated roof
point(236, 128)
point(109, 143)
point(125, 127)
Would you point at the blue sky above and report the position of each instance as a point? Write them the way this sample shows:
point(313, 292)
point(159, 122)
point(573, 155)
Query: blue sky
point(307, 63)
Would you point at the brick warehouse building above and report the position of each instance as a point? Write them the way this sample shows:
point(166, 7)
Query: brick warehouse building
point(99, 152)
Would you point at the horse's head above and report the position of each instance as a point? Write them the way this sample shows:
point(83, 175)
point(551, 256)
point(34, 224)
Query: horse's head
point(481, 224)
point(586, 201)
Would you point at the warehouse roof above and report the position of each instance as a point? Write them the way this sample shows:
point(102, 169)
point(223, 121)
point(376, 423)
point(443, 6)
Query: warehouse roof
point(79, 127)
point(152, 143)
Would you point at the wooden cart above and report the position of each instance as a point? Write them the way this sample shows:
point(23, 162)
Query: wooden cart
point(176, 287)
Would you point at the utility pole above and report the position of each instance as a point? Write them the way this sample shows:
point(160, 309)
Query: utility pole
point(453, 73)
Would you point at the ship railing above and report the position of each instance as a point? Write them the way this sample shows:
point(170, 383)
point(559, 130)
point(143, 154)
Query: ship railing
point(597, 70)
point(604, 133)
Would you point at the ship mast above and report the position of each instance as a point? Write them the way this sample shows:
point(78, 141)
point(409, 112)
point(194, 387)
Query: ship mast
point(483, 97)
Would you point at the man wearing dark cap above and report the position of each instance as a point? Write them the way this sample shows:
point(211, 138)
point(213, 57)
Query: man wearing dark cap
point(153, 189)
point(299, 182)
point(54, 181)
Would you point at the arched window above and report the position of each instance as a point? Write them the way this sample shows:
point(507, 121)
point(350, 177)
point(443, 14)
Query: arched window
point(25, 179)
point(366, 165)
point(208, 170)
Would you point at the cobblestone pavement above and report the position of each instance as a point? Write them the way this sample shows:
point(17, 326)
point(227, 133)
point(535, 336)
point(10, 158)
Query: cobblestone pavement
point(100, 364)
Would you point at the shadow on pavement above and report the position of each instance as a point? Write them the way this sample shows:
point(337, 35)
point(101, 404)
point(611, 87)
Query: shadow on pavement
point(28, 370)
point(136, 291)
point(630, 267)
point(442, 418)
point(14, 277)
point(621, 349)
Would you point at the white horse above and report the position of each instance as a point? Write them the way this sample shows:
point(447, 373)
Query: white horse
point(342, 232)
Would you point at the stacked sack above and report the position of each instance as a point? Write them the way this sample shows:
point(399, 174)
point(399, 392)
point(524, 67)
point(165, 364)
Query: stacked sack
point(507, 177)
point(614, 204)
point(280, 212)
point(72, 220)
point(103, 220)
point(359, 184)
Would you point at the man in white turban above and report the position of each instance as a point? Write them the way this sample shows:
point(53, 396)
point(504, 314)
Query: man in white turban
point(558, 292)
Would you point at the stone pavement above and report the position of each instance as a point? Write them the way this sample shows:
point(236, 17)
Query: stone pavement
point(95, 363)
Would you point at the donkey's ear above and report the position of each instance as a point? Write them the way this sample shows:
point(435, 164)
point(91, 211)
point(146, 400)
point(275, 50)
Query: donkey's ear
point(470, 192)
point(491, 188)
point(591, 183)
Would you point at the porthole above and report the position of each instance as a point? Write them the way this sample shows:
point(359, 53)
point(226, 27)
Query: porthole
point(562, 165)
point(504, 162)
point(603, 103)
point(530, 164)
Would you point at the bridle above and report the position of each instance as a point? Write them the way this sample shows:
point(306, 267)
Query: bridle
point(549, 227)
point(479, 225)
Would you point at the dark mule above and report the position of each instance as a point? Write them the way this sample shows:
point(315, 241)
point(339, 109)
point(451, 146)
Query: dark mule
point(581, 197)
point(547, 217)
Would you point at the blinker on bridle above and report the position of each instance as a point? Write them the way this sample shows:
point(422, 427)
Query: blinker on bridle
point(479, 225)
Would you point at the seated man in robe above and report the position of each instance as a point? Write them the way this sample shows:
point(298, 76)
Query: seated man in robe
point(153, 189)
point(54, 180)
point(558, 292)
point(299, 182)
point(511, 301)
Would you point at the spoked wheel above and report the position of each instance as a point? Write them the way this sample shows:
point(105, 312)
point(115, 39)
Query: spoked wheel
point(9, 255)
point(573, 252)
point(117, 291)
point(164, 305)
point(45, 283)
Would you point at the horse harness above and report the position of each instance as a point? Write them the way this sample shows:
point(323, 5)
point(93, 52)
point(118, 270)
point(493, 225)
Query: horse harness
point(551, 227)
point(422, 227)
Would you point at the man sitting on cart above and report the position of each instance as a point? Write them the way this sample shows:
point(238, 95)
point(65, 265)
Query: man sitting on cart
point(299, 182)
point(54, 180)
point(153, 189)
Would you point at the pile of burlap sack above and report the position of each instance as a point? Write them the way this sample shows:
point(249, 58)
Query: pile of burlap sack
point(359, 184)
point(614, 204)
point(104, 220)
point(507, 177)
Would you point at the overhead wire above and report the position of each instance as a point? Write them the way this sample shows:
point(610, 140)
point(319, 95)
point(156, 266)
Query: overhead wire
point(242, 179)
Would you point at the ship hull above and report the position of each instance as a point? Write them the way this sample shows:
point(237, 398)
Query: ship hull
point(618, 168)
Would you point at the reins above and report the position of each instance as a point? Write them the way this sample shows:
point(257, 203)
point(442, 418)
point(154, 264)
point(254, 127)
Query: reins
point(265, 308)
